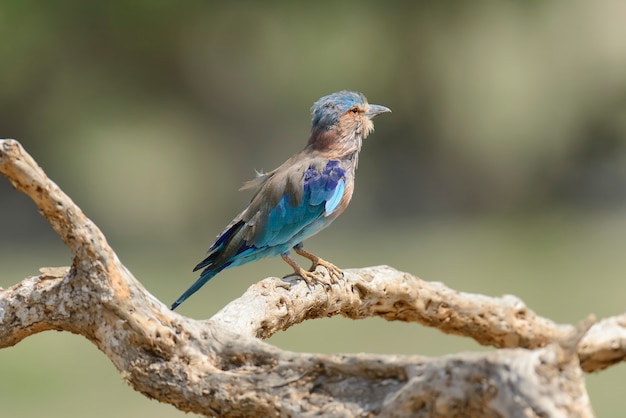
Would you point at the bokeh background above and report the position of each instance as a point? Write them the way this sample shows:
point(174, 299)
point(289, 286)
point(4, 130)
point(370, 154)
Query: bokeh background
point(502, 169)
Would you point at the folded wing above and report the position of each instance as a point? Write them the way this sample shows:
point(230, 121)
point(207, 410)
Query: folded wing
point(287, 208)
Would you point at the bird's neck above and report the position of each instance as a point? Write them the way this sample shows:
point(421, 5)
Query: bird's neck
point(335, 143)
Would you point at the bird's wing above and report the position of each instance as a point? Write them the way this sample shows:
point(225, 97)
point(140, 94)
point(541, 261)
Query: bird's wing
point(290, 202)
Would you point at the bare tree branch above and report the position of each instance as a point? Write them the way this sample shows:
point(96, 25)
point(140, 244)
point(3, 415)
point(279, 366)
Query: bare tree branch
point(219, 367)
point(394, 295)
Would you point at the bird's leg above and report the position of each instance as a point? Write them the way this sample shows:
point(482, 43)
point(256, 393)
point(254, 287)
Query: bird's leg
point(307, 276)
point(334, 272)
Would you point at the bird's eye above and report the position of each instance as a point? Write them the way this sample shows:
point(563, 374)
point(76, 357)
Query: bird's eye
point(354, 110)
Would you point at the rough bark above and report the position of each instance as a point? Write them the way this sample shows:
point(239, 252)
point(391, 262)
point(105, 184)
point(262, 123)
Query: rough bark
point(221, 367)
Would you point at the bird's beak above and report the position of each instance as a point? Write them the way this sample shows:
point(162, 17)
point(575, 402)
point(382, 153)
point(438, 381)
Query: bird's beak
point(375, 110)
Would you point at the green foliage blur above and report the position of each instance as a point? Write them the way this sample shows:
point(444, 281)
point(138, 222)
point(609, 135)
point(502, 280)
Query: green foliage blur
point(502, 168)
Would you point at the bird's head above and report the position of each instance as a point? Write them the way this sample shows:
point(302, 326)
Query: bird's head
point(342, 117)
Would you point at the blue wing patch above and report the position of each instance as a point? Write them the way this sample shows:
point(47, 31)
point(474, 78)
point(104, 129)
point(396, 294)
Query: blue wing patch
point(334, 200)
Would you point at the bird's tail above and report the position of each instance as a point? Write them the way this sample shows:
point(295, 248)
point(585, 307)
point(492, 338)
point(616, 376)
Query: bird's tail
point(206, 275)
point(222, 254)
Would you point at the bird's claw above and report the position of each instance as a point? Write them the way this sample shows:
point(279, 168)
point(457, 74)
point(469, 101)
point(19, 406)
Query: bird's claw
point(311, 278)
point(334, 273)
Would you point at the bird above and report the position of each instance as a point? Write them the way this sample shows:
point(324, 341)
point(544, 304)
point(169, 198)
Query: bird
point(299, 198)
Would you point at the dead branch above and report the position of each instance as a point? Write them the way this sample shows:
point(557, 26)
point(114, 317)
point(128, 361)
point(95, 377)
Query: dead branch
point(220, 367)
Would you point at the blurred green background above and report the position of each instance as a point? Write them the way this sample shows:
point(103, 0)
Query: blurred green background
point(502, 168)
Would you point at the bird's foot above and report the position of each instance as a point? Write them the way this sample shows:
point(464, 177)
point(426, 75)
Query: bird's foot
point(334, 273)
point(310, 277)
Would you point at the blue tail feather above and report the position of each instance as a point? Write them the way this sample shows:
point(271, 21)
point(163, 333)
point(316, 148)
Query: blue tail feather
point(222, 254)
point(206, 275)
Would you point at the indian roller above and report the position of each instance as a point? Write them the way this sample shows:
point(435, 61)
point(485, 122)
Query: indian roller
point(299, 198)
